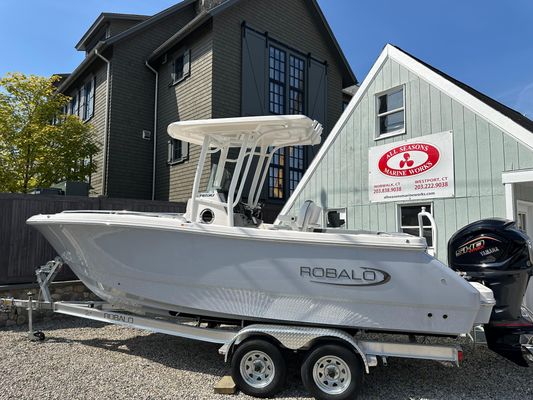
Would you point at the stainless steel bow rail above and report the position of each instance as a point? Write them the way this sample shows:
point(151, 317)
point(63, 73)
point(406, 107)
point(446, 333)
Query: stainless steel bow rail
point(231, 337)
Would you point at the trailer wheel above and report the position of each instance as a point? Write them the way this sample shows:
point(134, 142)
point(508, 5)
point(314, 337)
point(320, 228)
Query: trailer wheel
point(258, 368)
point(332, 372)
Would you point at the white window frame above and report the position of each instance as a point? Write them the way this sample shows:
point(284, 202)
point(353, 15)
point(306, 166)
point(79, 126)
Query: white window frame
point(184, 152)
point(400, 227)
point(340, 210)
point(397, 132)
point(186, 72)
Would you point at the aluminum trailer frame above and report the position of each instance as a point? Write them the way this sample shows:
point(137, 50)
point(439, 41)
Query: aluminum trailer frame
point(290, 337)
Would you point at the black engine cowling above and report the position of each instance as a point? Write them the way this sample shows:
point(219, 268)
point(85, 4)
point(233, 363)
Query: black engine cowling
point(497, 254)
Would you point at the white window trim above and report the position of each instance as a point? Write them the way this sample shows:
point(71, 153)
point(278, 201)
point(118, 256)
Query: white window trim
point(397, 132)
point(420, 204)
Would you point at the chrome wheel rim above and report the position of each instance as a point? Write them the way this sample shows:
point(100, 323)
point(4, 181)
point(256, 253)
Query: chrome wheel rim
point(332, 375)
point(257, 369)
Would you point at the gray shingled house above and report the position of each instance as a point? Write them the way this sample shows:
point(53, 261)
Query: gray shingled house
point(202, 59)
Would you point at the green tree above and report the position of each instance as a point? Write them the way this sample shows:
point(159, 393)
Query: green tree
point(39, 144)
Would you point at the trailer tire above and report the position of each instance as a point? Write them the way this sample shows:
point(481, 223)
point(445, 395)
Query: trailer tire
point(259, 368)
point(332, 372)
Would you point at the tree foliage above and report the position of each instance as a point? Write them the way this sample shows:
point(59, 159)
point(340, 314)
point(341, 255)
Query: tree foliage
point(39, 145)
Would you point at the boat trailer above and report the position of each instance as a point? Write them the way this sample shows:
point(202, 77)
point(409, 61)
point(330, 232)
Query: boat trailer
point(290, 337)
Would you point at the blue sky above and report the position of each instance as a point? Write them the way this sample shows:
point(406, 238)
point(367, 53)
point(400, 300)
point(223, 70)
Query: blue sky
point(487, 44)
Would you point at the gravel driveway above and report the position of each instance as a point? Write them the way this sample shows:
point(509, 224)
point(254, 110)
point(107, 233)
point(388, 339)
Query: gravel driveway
point(88, 360)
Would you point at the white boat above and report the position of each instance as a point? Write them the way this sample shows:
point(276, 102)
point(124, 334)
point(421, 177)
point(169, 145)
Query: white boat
point(219, 260)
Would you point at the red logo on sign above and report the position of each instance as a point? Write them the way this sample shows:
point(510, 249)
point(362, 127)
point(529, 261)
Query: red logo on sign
point(409, 159)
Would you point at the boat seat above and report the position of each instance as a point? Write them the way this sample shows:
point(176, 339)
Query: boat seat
point(308, 216)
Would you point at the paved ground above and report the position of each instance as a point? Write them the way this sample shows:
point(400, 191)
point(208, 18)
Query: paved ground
point(88, 360)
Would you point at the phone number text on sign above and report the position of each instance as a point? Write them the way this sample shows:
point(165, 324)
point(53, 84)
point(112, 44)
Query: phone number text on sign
point(415, 169)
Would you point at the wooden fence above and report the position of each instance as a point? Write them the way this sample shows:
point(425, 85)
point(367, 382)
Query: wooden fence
point(23, 249)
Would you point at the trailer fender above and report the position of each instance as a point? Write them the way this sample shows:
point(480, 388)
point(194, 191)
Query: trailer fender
point(293, 338)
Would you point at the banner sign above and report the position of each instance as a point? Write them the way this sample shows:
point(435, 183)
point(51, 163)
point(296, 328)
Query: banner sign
point(415, 169)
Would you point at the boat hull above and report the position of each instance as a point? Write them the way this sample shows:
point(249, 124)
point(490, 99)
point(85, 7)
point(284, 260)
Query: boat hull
point(179, 267)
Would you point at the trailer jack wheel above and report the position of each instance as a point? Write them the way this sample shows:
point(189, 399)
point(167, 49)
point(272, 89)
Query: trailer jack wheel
point(258, 368)
point(38, 336)
point(332, 372)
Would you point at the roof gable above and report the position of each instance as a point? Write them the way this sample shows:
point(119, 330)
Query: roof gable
point(100, 22)
point(225, 5)
point(504, 118)
point(502, 108)
point(101, 46)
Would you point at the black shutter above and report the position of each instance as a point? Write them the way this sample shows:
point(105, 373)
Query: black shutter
point(254, 74)
point(317, 92)
point(316, 100)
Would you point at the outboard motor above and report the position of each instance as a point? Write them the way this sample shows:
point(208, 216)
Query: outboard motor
point(497, 254)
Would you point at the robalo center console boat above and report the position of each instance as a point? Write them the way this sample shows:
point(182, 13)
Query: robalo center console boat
point(220, 264)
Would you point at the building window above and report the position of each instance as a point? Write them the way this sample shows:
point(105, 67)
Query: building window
point(277, 66)
point(521, 221)
point(276, 181)
point(73, 107)
point(335, 218)
point(409, 221)
point(296, 166)
point(182, 67)
point(296, 85)
point(178, 151)
point(88, 105)
point(390, 113)
point(286, 80)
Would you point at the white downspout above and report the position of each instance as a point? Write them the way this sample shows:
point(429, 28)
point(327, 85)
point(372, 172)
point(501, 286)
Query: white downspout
point(104, 161)
point(154, 157)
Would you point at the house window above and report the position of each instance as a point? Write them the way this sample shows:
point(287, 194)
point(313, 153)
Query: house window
point(73, 107)
point(296, 166)
point(286, 81)
point(182, 67)
point(88, 105)
point(409, 221)
point(276, 181)
point(522, 221)
point(296, 85)
point(277, 66)
point(335, 218)
point(390, 113)
point(178, 151)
